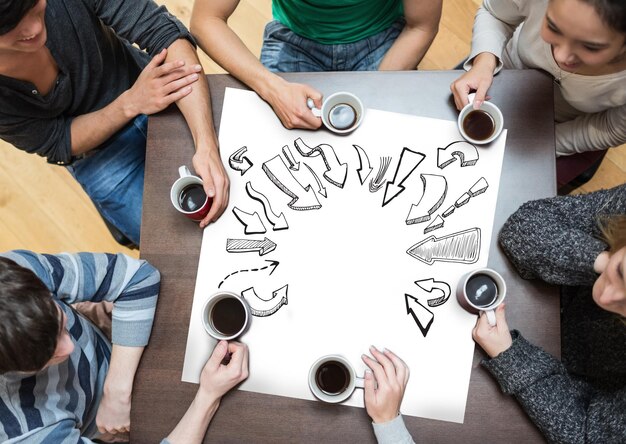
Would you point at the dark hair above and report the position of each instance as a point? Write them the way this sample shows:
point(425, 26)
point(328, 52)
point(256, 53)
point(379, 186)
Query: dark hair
point(12, 11)
point(614, 231)
point(612, 13)
point(29, 325)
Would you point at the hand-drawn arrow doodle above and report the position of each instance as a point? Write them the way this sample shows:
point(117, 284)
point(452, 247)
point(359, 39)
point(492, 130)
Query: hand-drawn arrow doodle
point(239, 163)
point(465, 151)
point(251, 222)
point(463, 247)
point(435, 189)
point(430, 285)
point(249, 245)
point(409, 160)
point(422, 316)
point(264, 309)
point(320, 187)
point(377, 182)
point(301, 198)
point(336, 172)
point(365, 169)
point(478, 188)
point(271, 266)
point(279, 222)
point(293, 165)
point(434, 225)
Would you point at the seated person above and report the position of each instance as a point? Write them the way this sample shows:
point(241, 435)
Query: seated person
point(580, 43)
point(75, 90)
point(317, 36)
point(570, 241)
point(61, 380)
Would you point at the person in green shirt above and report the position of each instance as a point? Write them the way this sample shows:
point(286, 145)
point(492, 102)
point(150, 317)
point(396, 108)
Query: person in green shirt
point(317, 35)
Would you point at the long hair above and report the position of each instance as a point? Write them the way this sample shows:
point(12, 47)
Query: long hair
point(611, 12)
point(12, 12)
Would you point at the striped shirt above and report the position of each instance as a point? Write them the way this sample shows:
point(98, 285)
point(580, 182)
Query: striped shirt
point(59, 403)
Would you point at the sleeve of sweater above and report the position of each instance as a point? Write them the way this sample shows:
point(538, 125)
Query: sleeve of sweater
point(558, 239)
point(132, 285)
point(392, 432)
point(564, 409)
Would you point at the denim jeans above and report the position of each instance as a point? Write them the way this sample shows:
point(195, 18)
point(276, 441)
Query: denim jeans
point(285, 51)
point(112, 176)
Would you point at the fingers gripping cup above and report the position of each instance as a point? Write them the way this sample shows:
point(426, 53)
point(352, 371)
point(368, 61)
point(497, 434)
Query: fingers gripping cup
point(482, 290)
point(332, 379)
point(225, 315)
point(188, 196)
point(482, 125)
point(341, 112)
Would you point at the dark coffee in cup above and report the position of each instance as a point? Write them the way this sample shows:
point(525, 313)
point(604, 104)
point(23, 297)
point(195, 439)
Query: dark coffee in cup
point(479, 125)
point(481, 290)
point(332, 377)
point(228, 316)
point(192, 197)
point(342, 116)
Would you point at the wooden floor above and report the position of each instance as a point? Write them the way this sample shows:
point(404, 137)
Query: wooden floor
point(43, 209)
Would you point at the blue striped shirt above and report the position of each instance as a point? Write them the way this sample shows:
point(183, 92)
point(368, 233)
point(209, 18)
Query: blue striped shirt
point(59, 403)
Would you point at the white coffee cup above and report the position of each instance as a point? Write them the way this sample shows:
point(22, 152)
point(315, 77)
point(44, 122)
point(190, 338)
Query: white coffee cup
point(476, 295)
point(225, 315)
point(332, 379)
point(341, 112)
point(486, 113)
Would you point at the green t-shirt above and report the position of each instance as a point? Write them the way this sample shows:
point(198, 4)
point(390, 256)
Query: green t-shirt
point(336, 21)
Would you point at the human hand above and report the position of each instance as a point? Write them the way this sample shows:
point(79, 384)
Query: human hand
point(289, 101)
point(478, 78)
point(217, 378)
point(493, 339)
point(384, 389)
point(208, 165)
point(159, 85)
point(113, 417)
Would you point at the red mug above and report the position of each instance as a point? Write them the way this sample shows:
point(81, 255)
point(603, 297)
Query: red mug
point(188, 196)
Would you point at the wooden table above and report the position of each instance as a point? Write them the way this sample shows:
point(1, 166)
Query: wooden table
point(172, 244)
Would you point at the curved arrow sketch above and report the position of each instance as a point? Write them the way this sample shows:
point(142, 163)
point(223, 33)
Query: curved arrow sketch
point(363, 171)
point(435, 189)
point(336, 172)
point(430, 285)
point(434, 225)
point(251, 222)
point(463, 247)
point(293, 165)
point(301, 198)
point(465, 151)
point(249, 245)
point(279, 222)
point(422, 316)
point(239, 163)
point(320, 187)
point(377, 182)
point(271, 267)
point(409, 160)
point(266, 307)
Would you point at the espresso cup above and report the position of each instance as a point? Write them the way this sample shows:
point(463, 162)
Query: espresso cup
point(480, 126)
point(482, 289)
point(225, 315)
point(341, 112)
point(188, 196)
point(332, 379)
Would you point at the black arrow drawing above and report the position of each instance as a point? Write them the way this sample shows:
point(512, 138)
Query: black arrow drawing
point(266, 307)
point(465, 151)
point(422, 316)
point(463, 247)
point(302, 198)
point(478, 188)
point(377, 182)
point(320, 187)
point(239, 163)
point(336, 172)
point(365, 169)
point(293, 165)
point(271, 266)
point(249, 245)
point(279, 222)
point(251, 221)
point(430, 285)
point(435, 189)
point(434, 225)
point(409, 160)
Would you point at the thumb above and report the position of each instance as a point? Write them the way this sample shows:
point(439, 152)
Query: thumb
point(315, 95)
point(218, 355)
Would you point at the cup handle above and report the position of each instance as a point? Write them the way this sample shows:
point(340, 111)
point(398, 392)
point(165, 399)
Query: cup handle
point(359, 382)
point(316, 111)
point(491, 317)
point(183, 171)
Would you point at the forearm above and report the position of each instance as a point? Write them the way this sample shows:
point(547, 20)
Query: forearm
point(408, 49)
point(591, 132)
point(193, 425)
point(118, 384)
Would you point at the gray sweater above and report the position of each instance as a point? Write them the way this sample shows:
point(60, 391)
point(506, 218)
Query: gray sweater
point(90, 41)
point(581, 399)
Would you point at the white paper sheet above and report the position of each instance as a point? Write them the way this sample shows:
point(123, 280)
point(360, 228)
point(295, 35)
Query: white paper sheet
point(350, 280)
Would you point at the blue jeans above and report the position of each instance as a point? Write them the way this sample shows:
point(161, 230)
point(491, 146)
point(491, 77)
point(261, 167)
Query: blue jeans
point(285, 51)
point(112, 176)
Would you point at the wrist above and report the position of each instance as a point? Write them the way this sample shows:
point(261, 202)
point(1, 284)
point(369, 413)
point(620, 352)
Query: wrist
point(127, 106)
point(269, 85)
point(383, 418)
point(485, 61)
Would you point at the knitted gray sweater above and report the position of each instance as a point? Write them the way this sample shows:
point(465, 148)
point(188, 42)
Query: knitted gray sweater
point(581, 399)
